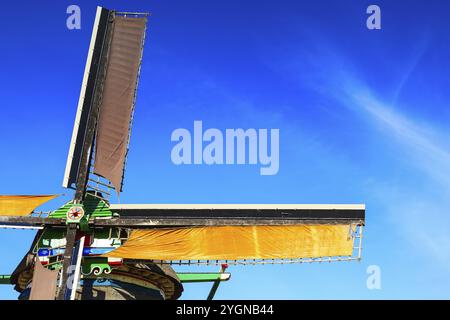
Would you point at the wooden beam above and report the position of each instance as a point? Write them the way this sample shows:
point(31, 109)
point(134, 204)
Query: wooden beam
point(29, 221)
point(140, 223)
point(242, 211)
point(67, 262)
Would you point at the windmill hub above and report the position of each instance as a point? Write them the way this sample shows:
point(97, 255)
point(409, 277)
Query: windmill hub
point(75, 214)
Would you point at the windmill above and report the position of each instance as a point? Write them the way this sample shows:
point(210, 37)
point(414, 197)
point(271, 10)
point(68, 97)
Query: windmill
point(92, 249)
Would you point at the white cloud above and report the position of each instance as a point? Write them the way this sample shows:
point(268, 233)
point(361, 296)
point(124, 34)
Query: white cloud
point(420, 210)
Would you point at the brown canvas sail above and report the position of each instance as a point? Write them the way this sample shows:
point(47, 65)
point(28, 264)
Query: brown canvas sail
point(118, 97)
point(43, 286)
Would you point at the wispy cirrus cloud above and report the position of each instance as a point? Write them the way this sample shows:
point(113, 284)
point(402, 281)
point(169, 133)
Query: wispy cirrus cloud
point(422, 209)
point(420, 205)
point(425, 144)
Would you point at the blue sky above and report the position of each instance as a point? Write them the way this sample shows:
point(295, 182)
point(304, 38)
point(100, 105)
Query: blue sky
point(363, 118)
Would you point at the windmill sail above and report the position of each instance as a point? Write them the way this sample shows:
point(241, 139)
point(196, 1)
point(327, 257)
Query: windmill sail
point(118, 98)
point(43, 283)
point(21, 205)
point(237, 243)
point(239, 231)
point(105, 109)
point(104, 116)
point(86, 100)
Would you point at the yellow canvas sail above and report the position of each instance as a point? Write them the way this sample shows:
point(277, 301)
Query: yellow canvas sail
point(21, 205)
point(237, 242)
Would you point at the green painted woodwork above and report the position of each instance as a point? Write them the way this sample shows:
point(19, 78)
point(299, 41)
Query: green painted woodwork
point(97, 266)
point(93, 207)
point(101, 264)
point(201, 277)
point(5, 279)
point(54, 234)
